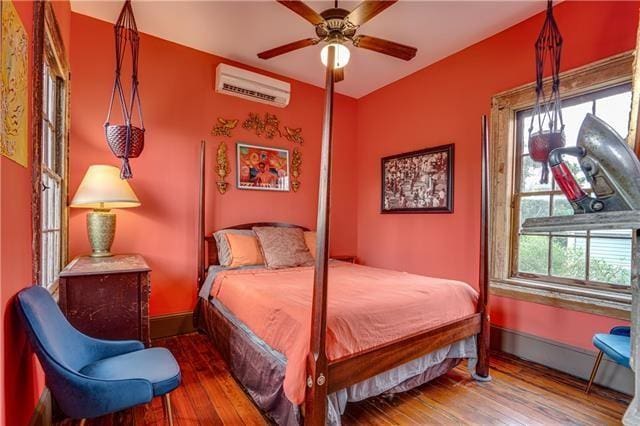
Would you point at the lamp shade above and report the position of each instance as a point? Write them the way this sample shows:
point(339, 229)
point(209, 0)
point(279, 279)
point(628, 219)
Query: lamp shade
point(102, 188)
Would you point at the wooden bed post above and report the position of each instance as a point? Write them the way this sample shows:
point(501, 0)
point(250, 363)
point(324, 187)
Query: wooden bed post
point(317, 371)
point(201, 199)
point(482, 368)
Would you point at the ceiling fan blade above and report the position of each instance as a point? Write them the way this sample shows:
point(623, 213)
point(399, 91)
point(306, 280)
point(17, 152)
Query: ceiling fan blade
point(367, 10)
point(338, 75)
point(385, 46)
point(286, 48)
point(303, 10)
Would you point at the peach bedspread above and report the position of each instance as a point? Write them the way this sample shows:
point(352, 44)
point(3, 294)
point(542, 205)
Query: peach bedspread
point(366, 307)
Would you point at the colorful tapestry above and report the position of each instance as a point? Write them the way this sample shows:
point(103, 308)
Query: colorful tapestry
point(13, 86)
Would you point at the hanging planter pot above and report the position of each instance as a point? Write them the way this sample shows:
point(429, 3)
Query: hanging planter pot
point(126, 140)
point(540, 146)
point(547, 113)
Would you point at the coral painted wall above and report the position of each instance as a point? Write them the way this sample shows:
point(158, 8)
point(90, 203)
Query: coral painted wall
point(22, 380)
point(443, 103)
point(180, 108)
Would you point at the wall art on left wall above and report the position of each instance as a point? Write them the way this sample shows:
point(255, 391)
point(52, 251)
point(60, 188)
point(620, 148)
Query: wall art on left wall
point(13, 86)
point(262, 168)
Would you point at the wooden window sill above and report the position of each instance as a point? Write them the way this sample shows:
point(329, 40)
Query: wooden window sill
point(599, 302)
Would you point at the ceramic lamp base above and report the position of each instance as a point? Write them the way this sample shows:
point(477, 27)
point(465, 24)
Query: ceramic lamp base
point(101, 227)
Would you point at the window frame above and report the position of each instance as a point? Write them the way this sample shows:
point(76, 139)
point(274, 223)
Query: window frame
point(48, 48)
point(554, 192)
point(613, 71)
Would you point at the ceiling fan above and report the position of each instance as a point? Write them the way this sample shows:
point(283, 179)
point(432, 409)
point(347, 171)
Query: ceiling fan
point(336, 26)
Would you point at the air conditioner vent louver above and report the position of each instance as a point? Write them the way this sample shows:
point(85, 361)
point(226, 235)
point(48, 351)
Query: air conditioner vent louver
point(247, 92)
point(252, 86)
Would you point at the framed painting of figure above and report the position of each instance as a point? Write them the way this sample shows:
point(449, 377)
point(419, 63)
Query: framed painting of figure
point(419, 181)
point(262, 168)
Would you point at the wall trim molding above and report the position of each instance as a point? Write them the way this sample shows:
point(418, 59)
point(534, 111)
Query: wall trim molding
point(559, 356)
point(42, 414)
point(171, 324)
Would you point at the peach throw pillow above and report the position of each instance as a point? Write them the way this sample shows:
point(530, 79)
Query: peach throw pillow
point(245, 250)
point(310, 241)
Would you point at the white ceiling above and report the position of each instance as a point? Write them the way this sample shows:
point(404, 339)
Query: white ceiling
point(238, 30)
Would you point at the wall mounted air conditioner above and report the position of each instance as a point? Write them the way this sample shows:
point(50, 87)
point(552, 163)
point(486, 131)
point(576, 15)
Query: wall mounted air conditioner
point(252, 86)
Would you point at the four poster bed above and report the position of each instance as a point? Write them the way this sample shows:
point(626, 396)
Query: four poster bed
point(385, 331)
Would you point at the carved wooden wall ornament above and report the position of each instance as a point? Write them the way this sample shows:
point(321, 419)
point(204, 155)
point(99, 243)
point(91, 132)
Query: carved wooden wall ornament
point(224, 127)
point(269, 126)
point(296, 163)
point(293, 135)
point(222, 167)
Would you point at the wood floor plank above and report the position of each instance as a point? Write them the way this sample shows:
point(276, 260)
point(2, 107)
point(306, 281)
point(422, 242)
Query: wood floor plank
point(520, 393)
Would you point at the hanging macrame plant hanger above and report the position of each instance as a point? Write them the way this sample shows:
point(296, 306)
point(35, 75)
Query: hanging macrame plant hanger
point(547, 113)
point(126, 140)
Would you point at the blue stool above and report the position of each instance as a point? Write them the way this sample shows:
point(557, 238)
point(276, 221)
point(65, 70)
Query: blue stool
point(616, 345)
point(91, 377)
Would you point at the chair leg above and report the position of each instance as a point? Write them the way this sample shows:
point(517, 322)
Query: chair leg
point(594, 371)
point(167, 408)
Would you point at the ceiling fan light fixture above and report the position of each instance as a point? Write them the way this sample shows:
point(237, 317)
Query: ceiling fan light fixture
point(342, 55)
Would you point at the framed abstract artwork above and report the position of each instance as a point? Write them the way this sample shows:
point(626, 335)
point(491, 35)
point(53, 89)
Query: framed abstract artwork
point(13, 85)
point(262, 168)
point(419, 181)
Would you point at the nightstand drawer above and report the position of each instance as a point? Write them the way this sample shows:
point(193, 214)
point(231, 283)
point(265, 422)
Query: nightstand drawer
point(107, 298)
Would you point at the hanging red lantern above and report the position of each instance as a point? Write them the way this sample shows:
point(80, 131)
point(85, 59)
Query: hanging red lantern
point(547, 113)
point(126, 140)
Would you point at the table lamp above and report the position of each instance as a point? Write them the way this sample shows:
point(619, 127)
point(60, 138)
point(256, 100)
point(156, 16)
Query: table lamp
point(102, 189)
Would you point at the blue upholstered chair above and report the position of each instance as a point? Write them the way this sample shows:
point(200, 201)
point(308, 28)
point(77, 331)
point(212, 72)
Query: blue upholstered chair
point(616, 345)
point(90, 377)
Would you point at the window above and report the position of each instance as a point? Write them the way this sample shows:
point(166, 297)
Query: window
point(599, 259)
point(581, 271)
point(53, 150)
point(50, 141)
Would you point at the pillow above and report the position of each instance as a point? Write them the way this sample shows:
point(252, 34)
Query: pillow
point(245, 250)
point(283, 247)
point(224, 252)
point(310, 241)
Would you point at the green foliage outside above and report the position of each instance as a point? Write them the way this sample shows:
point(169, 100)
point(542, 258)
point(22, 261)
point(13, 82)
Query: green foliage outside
point(568, 262)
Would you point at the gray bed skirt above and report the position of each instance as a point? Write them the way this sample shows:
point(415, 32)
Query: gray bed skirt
point(260, 369)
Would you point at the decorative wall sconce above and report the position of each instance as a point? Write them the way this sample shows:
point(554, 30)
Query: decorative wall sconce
point(296, 163)
point(222, 167)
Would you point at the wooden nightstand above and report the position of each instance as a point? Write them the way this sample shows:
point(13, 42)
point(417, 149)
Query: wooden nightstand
point(346, 258)
point(107, 297)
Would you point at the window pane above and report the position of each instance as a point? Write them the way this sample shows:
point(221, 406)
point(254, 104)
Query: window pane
point(530, 177)
point(615, 111)
point(610, 260)
point(568, 257)
point(573, 117)
point(561, 207)
point(533, 254)
point(534, 206)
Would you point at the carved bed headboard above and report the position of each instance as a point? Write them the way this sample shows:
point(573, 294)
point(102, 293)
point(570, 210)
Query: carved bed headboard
point(212, 247)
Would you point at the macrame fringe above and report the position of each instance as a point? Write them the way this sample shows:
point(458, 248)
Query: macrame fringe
point(125, 170)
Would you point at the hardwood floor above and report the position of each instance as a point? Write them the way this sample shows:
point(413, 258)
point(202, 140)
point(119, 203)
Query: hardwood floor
point(520, 393)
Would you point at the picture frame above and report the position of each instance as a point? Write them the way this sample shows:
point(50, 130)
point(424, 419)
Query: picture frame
point(262, 168)
point(418, 181)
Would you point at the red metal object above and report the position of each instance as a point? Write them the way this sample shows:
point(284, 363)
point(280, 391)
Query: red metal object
point(567, 183)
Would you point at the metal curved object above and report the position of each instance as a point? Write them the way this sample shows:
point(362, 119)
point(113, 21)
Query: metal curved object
point(610, 166)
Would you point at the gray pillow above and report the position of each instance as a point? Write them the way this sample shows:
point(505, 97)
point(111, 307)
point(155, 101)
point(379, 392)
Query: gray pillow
point(283, 247)
point(224, 251)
